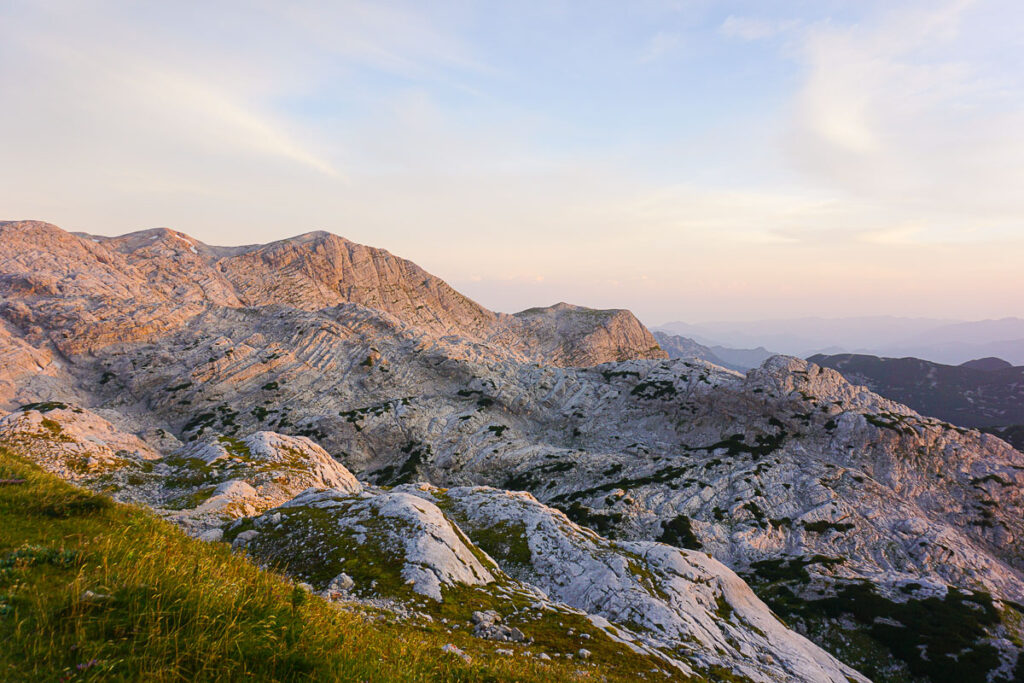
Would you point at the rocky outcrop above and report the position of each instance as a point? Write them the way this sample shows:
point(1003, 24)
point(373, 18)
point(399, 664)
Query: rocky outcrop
point(685, 602)
point(403, 550)
point(228, 477)
point(85, 292)
point(317, 270)
point(408, 541)
point(27, 371)
point(72, 443)
point(77, 294)
point(570, 335)
point(853, 517)
point(174, 266)
point(199, 485)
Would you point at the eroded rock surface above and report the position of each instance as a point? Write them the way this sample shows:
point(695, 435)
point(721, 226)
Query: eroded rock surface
point(857, 520)
point(86, 292)
point(72, 443)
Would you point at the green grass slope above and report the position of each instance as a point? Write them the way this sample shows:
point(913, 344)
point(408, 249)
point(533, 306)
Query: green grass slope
point(95, 590)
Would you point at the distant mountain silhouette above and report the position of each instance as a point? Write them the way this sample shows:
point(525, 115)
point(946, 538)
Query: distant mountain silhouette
point(933, 339)
point(987, 364)
point(987, 393)
point(735, 359)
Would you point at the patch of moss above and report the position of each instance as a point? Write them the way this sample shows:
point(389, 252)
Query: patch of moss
point(890, 421)
point(990, 477)
point(187, 472)
point(679, 532)
point(418, 454)
point(192, 500)
point(764, 444)
point(198, 424)
point(603, 523)
point(505, 541)
point(756, 511)
point(654, 389)
point(662, 476)
point(52, 426)
point(235, 447)
point(531, 479)
point(356, 415)
point(612, 470)
point(822, 525)
point(367, 555)
point(44, 406)
point(722, 607)
point(609, 375)
point(791, 569)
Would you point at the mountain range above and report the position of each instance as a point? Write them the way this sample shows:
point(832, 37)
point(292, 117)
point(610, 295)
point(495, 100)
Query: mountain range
point(987, 393)
point(734, 359)
point(938, 340)
point(334, 409)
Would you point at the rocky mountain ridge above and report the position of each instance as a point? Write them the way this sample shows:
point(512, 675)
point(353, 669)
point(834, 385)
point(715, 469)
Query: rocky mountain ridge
point(987, 393)
point(740, 360)
point(857, 520)
point(92, 291)
point(420, 549)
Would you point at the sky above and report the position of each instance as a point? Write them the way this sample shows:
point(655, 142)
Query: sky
point(686, 159)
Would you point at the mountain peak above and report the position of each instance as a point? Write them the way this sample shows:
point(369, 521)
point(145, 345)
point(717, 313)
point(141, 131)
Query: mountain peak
point(990, 364)
point(310, 272)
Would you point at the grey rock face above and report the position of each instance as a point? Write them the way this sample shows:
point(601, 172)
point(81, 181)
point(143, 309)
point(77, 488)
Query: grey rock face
point(685, 611)
point(82, 293)
point(987, 393)
point(849, 514)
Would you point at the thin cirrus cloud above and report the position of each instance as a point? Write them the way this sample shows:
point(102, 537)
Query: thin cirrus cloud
point(571, 152)
point(658, 46)
point(917, 112)
point(752, 28)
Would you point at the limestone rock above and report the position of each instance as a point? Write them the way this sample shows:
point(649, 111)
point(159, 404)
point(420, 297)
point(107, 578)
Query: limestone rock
point(72, 443)
point(259, 372)
point(85, 292)
point(398, 536)
point(569, 335)
point(684, 602)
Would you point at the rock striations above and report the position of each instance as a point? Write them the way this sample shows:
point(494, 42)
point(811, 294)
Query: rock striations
point(987, 393)
point(89, 292)
point(522, 475)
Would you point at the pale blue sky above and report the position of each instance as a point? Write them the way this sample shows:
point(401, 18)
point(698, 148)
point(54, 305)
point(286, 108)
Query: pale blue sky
point(685, 159)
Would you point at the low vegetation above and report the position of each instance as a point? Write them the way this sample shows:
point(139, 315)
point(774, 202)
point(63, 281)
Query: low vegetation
point(92, 590)
point(944, 639)
point(679, 532)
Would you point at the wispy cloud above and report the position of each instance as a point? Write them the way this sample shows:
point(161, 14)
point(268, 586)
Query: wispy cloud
point(753, 28)
point(663, 157)
point(912, 110)
point(658, 46)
